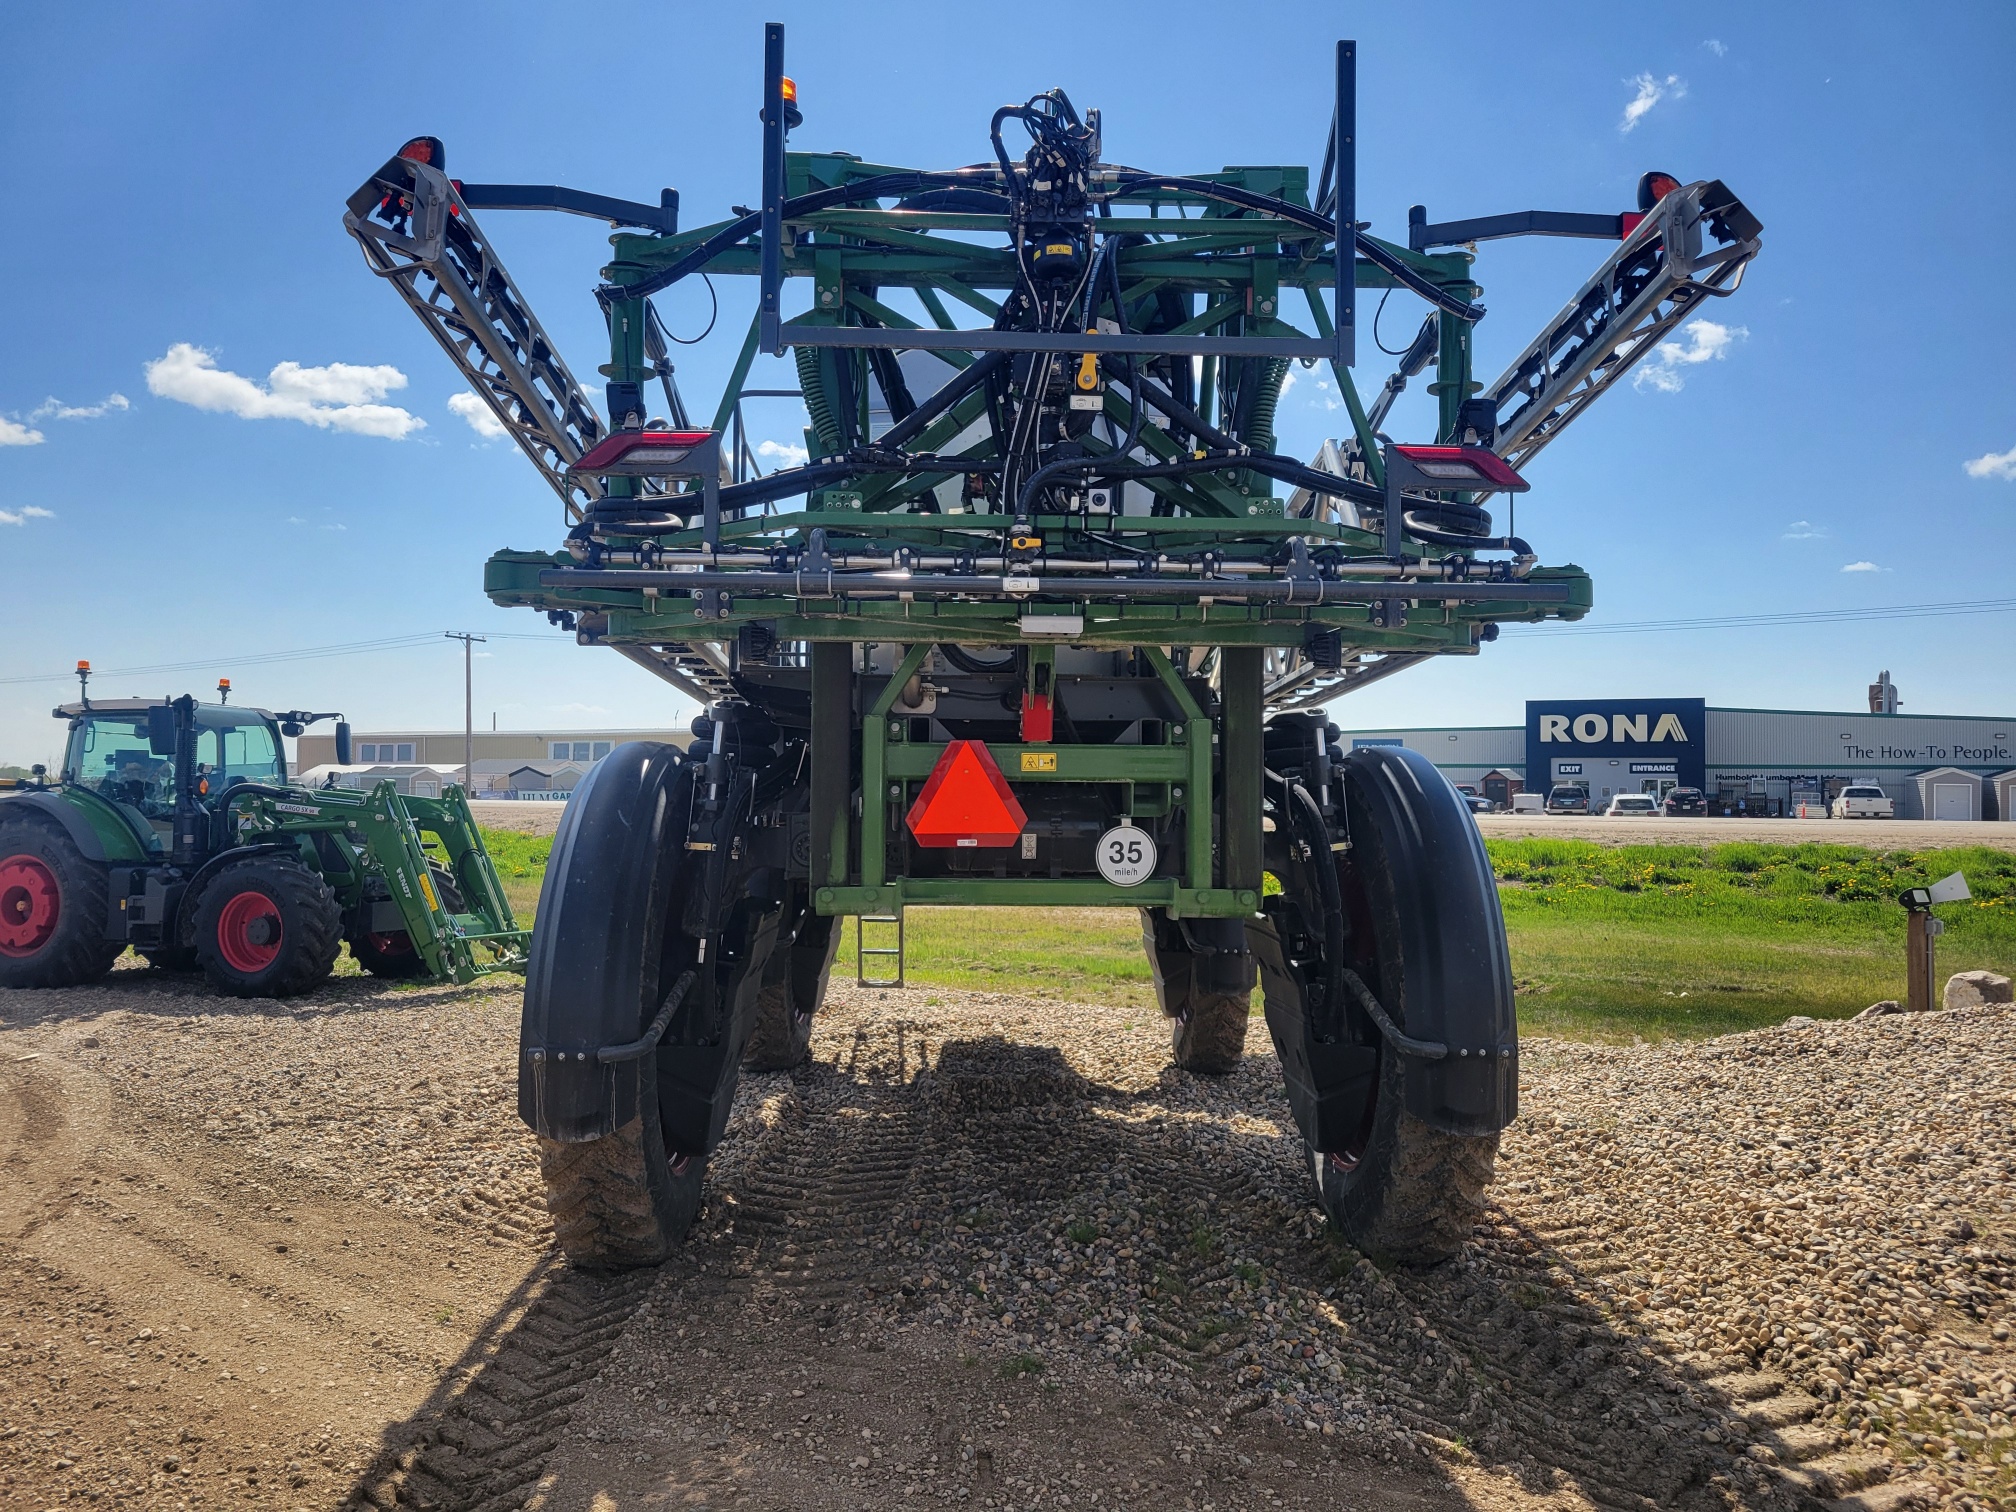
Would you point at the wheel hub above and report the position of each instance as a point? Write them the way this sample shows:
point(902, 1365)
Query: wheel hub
point(31, 902)
point(249, 932)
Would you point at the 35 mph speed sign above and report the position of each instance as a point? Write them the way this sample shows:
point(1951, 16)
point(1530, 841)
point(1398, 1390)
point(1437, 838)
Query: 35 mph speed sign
point(1126, 855)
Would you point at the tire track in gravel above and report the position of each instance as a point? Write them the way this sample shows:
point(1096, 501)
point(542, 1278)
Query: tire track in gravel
point(482, 1443)
point(1495, 1359)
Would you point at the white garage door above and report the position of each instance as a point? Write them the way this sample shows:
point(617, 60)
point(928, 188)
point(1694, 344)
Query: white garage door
point(1952, 800)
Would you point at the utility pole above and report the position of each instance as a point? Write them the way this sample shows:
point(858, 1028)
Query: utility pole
point(469, 643)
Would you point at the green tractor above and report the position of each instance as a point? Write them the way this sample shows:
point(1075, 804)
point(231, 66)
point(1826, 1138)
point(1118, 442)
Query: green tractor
point(173, 829)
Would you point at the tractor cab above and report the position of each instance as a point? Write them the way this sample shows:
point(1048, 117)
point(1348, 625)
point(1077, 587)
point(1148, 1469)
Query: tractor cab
point(124, 750)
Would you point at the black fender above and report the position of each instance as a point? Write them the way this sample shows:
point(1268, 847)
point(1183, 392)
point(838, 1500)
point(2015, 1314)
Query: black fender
point(1214, 950)
point(200, 878)
point(1416, 844)
point(598, 942)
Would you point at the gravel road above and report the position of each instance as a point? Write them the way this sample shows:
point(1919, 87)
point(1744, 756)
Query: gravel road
point(992, 1252)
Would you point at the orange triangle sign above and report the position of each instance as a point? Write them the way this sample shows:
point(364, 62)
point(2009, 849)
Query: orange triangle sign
point(966, 802)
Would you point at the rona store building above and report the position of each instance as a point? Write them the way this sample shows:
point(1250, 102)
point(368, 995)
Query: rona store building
point(1747, 761)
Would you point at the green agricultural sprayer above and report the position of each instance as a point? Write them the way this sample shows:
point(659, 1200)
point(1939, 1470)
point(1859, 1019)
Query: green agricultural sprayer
point(1045, 618)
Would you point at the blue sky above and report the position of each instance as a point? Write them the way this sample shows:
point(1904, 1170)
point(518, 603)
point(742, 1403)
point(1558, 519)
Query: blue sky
point(175, 173)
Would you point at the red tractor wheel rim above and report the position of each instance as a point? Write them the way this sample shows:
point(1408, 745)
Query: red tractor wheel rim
point(249, 932)
point(31, 903)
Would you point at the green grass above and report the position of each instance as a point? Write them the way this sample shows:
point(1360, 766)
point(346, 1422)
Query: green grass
point(521, 866)
point(1680, 941)
point(1608, 942)
point(1092, 954)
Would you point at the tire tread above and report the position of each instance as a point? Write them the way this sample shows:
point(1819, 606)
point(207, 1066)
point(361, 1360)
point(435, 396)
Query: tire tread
point(314, 929)
point(77, 956)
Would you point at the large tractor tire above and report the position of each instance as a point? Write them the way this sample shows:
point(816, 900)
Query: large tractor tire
point(793, 988)
point(389, 955)
point(52, 909)
point(267, 927)
point(1401, 1140)
point(1204, 984)
point(624, 1141)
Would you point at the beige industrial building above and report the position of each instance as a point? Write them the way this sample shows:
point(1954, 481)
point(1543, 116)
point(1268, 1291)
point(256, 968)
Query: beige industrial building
point(444, 748)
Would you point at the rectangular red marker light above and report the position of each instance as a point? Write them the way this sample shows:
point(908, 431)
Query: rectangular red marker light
point(1458, 466)
point(641, 452)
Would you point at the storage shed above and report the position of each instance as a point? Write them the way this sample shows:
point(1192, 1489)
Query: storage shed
point(1948, 792)
point(2003, 786)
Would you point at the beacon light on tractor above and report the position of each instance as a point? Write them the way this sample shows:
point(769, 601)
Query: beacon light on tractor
point(173, 828)
point(1035, 623)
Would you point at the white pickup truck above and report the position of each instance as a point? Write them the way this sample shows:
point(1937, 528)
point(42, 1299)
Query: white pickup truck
point(1862, 800)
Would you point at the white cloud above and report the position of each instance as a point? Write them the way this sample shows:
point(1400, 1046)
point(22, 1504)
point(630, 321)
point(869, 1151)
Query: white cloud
point(783, 453)
point(337, 397)
point(1288, 379)
point(1716, 46)
point(53, 408)
point(1650, 92)
point(14, 433)
point(24, 514)
point(1861, 567)
point(1700, 341)
point(1804, 530)
point(481, 418)
point(1994, 465)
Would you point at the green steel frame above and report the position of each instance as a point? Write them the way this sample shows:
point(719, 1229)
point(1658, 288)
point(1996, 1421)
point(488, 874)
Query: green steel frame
point(1216, 282)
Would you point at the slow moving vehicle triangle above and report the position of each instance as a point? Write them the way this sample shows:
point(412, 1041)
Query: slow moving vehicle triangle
point(966, 802)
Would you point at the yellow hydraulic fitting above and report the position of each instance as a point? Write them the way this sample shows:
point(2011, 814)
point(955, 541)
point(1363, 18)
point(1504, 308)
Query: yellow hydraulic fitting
point(1088, 371)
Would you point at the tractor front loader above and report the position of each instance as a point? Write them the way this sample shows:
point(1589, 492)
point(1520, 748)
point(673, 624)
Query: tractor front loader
point(1033, 624)
point(172, 828)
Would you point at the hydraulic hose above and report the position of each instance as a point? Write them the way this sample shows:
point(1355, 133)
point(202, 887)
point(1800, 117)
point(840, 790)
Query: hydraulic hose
point(1367, 248)
point(1420, 530)
point(968, 663)
point(1185, 416)
point(888, 185)
point(1026, 500)
point(882, 186)
point(1316, 835)
point(948, 394)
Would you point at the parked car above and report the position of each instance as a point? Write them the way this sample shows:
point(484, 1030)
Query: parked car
point(1567, 798)
point(1686, 801)
point(1529, 803)
point(1863, 800)
point(1632, 806)
point(1478, 805)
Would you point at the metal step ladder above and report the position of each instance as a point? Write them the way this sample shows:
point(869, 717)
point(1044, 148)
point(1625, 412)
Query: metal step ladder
point(863, 950)
point(696, 669)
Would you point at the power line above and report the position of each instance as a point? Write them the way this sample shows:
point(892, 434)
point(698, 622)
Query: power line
point(1793, 617)
point(267, 658)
